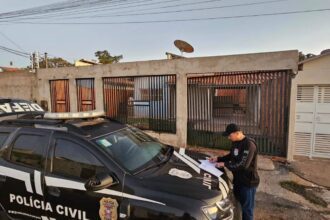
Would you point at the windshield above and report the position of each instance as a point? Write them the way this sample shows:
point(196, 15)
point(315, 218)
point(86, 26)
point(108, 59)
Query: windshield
point(132, 148)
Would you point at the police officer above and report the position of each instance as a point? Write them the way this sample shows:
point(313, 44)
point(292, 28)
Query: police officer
point(242, 161)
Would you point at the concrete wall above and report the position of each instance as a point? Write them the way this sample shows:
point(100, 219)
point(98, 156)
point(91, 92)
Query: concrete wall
point(19, 85)
point(315, 72)
point(182, 68)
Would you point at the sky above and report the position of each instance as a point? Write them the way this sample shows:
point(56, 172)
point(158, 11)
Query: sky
point(308, 32)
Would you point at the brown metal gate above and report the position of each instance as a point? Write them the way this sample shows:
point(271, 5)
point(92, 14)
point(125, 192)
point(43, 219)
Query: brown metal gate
point(59, 92)
point(257, 101)
point(146, 102)
point(85, 94)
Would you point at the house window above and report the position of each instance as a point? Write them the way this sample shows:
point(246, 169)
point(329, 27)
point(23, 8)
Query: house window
point(229, 101)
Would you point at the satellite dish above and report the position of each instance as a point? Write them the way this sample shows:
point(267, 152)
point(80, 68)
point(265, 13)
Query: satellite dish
point(183, 46)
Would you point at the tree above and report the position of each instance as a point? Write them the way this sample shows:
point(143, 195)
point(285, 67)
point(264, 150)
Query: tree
point(302, 56)
point(54, 62)
point(105, 57)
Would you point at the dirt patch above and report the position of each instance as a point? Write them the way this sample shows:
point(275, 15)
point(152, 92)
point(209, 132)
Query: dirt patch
point(276, 208)
point(304, 191)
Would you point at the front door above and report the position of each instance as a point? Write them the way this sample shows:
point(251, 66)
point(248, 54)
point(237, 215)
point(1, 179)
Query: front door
point(72, 164)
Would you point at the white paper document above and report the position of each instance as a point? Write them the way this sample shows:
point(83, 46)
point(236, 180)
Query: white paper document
point(210, 167)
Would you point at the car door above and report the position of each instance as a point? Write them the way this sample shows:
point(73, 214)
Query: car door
point(71, 162)
point(4, 136)
point(21, 169)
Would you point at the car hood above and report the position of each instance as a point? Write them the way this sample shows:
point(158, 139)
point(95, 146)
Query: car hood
point(182, 177)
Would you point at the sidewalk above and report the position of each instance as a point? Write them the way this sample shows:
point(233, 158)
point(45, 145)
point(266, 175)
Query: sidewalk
point(315, 170)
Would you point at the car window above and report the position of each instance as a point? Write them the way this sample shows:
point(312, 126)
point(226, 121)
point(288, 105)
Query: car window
point(73, 160)
point(131, 148)
point(28, 150)
point(3, 138)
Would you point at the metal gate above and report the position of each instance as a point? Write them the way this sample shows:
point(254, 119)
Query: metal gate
point(85, 94)
point(146, 102)
point(312, 128)
point(59, 93)
point(257, 101)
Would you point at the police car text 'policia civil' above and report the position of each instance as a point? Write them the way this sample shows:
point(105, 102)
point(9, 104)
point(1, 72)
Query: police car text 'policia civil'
point(86, 166)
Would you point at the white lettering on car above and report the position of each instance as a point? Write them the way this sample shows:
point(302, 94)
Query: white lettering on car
point(37, 107)
point(207, 180)
point(66, 211)
point(15, 107)
point(6, 108)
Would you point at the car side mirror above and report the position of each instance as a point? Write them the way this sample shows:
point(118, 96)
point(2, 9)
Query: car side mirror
point(98, 182)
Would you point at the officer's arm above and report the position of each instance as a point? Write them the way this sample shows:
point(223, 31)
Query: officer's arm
point(224, 158)
point(245, 159)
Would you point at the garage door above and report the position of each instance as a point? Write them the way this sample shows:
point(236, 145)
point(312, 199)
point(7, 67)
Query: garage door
point(312, 129)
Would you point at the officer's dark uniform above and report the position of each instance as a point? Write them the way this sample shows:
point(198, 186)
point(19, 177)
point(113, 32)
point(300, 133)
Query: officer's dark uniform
point(242, 161)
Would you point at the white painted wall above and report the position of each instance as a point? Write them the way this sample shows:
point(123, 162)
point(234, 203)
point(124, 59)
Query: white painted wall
point(315, 72)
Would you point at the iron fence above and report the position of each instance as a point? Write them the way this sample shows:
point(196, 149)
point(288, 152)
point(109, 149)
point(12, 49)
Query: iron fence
point(257, 101)
point(147, 102)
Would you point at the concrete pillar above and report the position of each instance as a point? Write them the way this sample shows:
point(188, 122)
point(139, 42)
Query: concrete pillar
point(41, 92)
point(181, 110)
point(99, 104)
point(292, 120)
point(73, 95)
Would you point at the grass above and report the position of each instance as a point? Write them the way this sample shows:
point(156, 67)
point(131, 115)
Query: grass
point(303, 191)
point(208, 139)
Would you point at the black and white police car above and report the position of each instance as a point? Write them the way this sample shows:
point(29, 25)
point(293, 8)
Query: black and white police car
point(85, 166)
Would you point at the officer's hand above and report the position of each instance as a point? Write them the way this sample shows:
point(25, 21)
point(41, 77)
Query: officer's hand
point(220, 165)
point(213, 159)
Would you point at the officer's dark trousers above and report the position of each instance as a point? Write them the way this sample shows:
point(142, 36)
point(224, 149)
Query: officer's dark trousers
point(245, 196)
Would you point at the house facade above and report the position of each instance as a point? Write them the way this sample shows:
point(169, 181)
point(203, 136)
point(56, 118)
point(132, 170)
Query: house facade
point(310, 109)
point(182, 102)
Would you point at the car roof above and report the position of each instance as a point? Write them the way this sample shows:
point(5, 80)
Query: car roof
point(88, 128)
point(25, 113)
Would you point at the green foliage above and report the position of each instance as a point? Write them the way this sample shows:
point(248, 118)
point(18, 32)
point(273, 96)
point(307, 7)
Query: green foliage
point(303, 56)
point(105, 57)
point(54, 62)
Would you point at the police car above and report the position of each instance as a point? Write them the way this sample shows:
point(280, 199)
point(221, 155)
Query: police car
point(85, 166)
